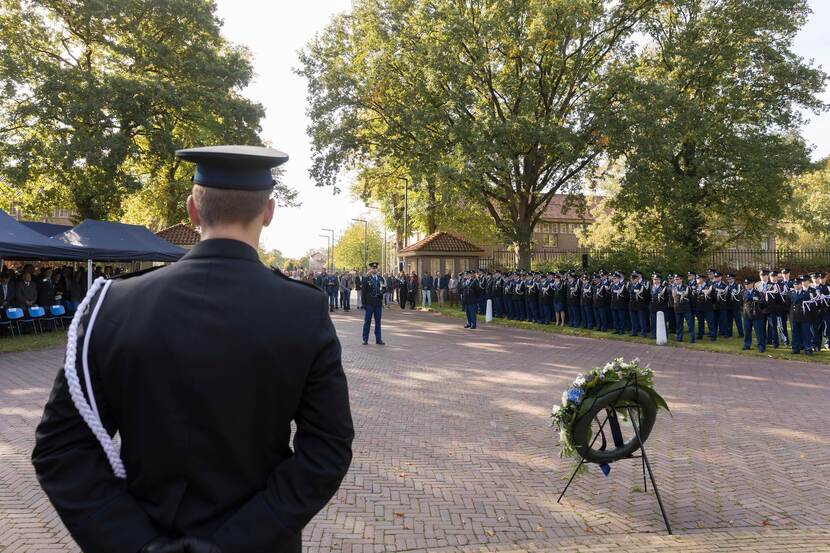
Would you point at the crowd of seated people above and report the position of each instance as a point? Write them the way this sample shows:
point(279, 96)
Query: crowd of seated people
point(27, 286)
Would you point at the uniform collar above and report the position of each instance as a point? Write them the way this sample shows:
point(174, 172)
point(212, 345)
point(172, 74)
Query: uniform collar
point(222, 247)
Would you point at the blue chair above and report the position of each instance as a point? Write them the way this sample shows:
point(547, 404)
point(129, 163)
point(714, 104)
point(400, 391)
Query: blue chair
point(36, 313)
point(56, 313)
point(14, 316)
point(71, 307)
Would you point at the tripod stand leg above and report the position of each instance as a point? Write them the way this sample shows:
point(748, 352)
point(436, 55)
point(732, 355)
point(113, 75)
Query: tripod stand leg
point(648, 467)
point(568, 485)
point(645, 485)
point(582, 459)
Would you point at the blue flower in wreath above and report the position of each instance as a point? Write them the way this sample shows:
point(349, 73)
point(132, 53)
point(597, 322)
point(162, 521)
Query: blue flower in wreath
point(575, 395)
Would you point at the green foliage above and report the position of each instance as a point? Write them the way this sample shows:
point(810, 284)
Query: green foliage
point(809, 212)
point(492, 99)
point(99, 95)
point(706, 122)
point(349, 250)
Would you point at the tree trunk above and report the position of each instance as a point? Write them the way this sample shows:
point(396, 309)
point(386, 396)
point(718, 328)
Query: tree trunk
point(431, 208)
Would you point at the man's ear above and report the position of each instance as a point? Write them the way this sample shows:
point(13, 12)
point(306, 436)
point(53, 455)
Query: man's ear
point(192, 212)
point(268, 215)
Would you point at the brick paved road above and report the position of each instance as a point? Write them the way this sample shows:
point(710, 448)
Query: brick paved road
point(454, 452)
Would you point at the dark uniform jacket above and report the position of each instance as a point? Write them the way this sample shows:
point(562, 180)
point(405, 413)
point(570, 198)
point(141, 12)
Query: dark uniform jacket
point(619, 295)
point(638, 298)
point(661, 298)
point(753, 305)
point(373, 289)
point(26, 291)
point(471, 291)
point(201, 366)
point(682, 298)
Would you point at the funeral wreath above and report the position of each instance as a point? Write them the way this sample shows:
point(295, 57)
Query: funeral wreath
point(612, 391)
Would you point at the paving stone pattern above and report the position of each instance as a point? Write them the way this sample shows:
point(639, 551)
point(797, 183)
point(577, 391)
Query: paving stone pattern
point(454, 453)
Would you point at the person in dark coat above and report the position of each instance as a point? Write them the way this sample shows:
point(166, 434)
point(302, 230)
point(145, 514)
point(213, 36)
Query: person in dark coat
point(202, 384)
point(412, 289)
point(471, 292)
point(25, 295)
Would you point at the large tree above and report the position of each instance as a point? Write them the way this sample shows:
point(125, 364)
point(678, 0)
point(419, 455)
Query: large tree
point(706, 121)
point(99, 95)
point(354, 249)
point(496, 98)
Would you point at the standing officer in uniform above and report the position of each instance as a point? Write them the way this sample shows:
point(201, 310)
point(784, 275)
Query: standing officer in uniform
point(471, 291)
point(373, 290)
point(202, 392)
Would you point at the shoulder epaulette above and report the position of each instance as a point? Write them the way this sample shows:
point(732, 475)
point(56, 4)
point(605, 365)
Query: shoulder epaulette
point(124, 276)
point(282, 275)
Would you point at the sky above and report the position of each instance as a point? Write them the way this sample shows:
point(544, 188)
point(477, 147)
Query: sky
point(274, 32)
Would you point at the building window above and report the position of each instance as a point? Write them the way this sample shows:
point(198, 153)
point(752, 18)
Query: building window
point(551, 240)
point(544, 227)
point(434, 265)
point(449, 265)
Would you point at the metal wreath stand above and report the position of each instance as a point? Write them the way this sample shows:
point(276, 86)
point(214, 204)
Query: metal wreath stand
point(643, 423)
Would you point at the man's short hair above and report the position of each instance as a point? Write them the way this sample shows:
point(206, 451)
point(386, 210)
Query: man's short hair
point(225, 206)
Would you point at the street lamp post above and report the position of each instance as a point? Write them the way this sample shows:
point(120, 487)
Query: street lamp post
point(328, 249)
point(365, 246)
point(331, 248)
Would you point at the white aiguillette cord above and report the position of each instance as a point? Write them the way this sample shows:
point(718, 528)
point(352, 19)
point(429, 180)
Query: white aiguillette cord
point(89, 410)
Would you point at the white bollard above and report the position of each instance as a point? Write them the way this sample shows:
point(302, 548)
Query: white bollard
point(661, 328)
point(489, 316)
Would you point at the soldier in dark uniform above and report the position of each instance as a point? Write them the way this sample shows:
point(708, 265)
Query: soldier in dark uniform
point(507, 297)
point(660, 297)
point(619, 302)
point(754, 315)
point(733, 306)
point(719, 304)
point(546, 298)
point(574, 301)
point(202, 384)
point(496, 292)
point(821, 324)
point(586, 302)
point(801, 317)
point(683, 297)
point(602, 301)
point(532, 298)
point(704, 307)
point(373, 290)
point(471, 292)
point(638, 304)
point(520, 308)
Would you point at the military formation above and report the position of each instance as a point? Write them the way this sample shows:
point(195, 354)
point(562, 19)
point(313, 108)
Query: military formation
point(778, 309)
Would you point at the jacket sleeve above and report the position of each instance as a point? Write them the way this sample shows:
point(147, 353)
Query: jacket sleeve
point(301, 486)
point(73, 470)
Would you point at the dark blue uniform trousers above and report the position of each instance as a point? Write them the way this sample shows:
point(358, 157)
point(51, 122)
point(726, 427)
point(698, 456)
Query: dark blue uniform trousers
point(372, 311)
point(689, 317)
point(508, 307)
point(638, 322)
point(498, 307)
point(532, 310)
point(547, 314)
point(802, 336)
point(601, 314)
point(760, 327)
point(574, 315)
point(472, 312)
point(734, 315)
point(519, 309)
point(619, 317)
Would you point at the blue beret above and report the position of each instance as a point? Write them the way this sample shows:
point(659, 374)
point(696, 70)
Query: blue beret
point(234, 167)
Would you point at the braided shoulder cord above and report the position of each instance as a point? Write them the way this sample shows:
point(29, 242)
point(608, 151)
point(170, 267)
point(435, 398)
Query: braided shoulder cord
point(89, 410)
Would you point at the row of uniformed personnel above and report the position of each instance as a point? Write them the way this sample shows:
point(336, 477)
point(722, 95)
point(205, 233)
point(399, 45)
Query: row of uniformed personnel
point(608, 301)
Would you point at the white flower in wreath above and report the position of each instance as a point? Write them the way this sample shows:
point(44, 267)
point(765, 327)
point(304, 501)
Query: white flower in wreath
point(579, 382)
point(565, 397)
